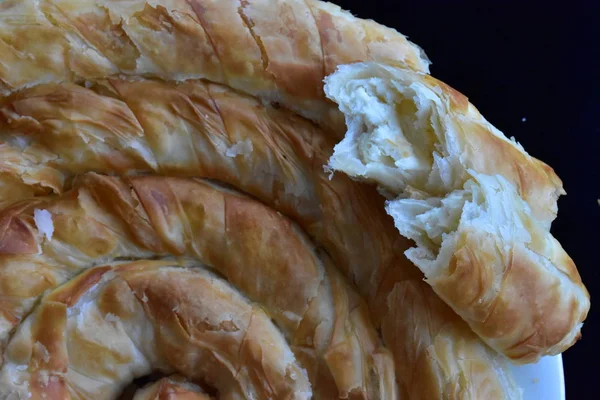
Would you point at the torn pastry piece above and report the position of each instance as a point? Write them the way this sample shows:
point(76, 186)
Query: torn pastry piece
point(91, 337)
point(171, 388)
point(266, 256)
point(476, 204)
point(277, 157)
point(277, 50)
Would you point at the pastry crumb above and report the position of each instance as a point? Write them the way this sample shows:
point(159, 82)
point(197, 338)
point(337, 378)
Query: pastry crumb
point(110, 317)
point(240, 148)
point(43, 221)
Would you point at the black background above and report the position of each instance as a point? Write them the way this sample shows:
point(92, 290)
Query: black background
point(538, 61)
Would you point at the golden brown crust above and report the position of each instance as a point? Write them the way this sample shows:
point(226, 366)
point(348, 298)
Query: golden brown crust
point(82, 105)
point(22, 177)
point(192, 323)
point(279, 50)
point(254, 247)
point(531, 312)
point(535, 181)
point(283, 166)
point(478, 207)
point(283, 169)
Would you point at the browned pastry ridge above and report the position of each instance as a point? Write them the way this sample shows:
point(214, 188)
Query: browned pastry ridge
point(252, 246)
point(282, 167)
point(278, 50)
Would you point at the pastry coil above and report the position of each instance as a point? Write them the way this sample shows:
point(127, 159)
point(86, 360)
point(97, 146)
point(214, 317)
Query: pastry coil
point(164, 209)
point(274, 156)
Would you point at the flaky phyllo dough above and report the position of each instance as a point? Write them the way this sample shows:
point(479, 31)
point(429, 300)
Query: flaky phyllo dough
point(165, 212)
point(478, 207)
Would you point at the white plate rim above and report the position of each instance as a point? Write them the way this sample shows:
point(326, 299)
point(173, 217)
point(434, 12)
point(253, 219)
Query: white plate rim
point(542, 380)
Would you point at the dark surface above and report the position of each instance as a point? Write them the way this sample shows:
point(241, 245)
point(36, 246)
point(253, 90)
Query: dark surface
point(541, 62)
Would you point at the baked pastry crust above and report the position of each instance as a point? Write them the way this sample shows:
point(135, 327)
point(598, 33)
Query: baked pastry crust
point(256, 249)
point(269, 153)
point(277, 50)
point(477, 205)
point(112, 323)
point(158, 93)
